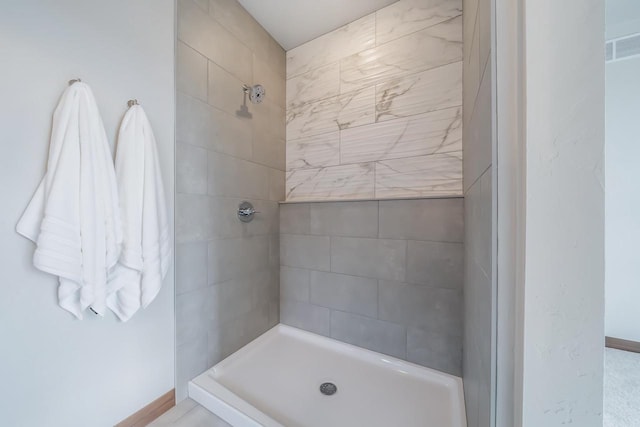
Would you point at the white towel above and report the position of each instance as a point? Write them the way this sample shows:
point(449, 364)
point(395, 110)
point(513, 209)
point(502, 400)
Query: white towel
point(146, 248)
point(73, 217)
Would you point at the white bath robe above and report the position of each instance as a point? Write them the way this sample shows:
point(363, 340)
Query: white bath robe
point(146, 248)
point(74, 217)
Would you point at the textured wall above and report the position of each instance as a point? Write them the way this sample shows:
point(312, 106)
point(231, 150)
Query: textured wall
point(564, 275)
point(479, 283)
point(227, 272)
point(374, 108)
point(56, 370)
point(383, 275)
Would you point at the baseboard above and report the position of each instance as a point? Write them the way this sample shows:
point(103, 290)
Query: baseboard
point(150, 412)
point(620, 344)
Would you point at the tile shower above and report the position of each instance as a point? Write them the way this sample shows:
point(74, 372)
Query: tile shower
point(359, 264)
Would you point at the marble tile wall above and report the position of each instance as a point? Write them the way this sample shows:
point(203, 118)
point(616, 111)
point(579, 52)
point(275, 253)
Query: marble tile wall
point(374, 108)
point(383, 275)
point(227, 272)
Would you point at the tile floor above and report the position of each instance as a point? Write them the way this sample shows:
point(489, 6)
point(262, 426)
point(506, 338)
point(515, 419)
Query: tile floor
point(188, 414)
point(621, 389)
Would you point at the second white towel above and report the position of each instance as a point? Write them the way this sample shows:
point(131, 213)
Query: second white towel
point(146, 243)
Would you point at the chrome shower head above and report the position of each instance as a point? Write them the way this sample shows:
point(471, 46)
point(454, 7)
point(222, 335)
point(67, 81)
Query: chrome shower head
point(256, 93)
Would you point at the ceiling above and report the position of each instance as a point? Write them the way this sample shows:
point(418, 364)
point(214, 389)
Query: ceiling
point(294, 22)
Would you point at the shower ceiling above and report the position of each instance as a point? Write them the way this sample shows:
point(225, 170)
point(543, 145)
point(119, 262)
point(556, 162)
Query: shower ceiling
point(294, 22)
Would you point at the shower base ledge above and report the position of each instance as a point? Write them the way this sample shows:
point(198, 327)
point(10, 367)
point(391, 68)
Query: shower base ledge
point(275, 380)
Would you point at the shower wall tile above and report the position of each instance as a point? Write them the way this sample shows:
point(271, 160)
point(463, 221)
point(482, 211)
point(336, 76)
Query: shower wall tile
point(306, 316)
point(268, 75)
point(191, 169)
point(225, 90)
point(333, 183)
point(314, 85)
point(310, 252)
point(438, 220)
point(439, 45)
point(276, 185)
point(295, 218)
point(332, 46)
point(438, 264)
point(430, 90)
point(204, 34)
point(430, 133)
point(235, 177)
point(342, 292)
point(434, 308)
point(408, 16)
point(191, 72)
point(191, 266)
point(315, 151)
point(191, 315)
point(351, 102)
point(433, 175)
point(399, 296)
point(344, 219)
point(376, 258)
point(372, 334)
point(230, 268)
point(294, 284)
point(229, 258)
point(355, 108)
point(193, 221)
point(436, 350)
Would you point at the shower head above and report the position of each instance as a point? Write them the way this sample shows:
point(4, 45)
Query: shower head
point(256, 93)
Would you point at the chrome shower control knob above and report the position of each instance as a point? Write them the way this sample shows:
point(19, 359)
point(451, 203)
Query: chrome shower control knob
point(246, 212)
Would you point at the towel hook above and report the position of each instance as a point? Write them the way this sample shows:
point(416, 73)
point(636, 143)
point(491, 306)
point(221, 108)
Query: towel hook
point(72, 81)
point(132, 102)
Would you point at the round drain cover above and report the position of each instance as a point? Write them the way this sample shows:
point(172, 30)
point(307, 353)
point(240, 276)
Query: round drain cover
point(328, 389)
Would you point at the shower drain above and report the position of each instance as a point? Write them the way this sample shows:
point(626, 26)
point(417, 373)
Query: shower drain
point(328, 389)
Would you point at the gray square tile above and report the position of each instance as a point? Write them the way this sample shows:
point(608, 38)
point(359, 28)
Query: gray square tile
point(193, 121)
point(294, 218)
point(353, 294)
point(435, 350)
point(193, 221)
point(276, 185)
point(232, 177)
point(191, 315)
point(310, 252)
point(351, 219)
point(435, 309)
point(231, 257)
point(439, 220)
point(305, 316)
point(191, 361)
point(478, 220)
point(376, 335)
point(294, 284)
point(191, 266)
point(191, 72)
point(191, 169)
point(375, 258)
point(435, 263)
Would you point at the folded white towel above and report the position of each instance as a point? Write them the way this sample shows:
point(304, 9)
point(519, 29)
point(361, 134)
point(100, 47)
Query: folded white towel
point(73, 217)
point(146, 248)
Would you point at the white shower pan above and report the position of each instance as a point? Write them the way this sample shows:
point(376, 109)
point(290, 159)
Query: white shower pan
point(275, 380)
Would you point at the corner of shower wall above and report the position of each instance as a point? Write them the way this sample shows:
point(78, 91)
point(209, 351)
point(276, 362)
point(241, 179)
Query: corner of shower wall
point(479, 282)
point(372, 241)
point(227, 150)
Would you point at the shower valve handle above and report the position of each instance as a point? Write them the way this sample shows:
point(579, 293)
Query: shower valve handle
point(247, 211)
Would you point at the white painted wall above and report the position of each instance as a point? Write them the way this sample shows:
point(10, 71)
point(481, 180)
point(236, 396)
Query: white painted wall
point(564, 275)
point(55, 370)
point(622, 180)
point(623, 199)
